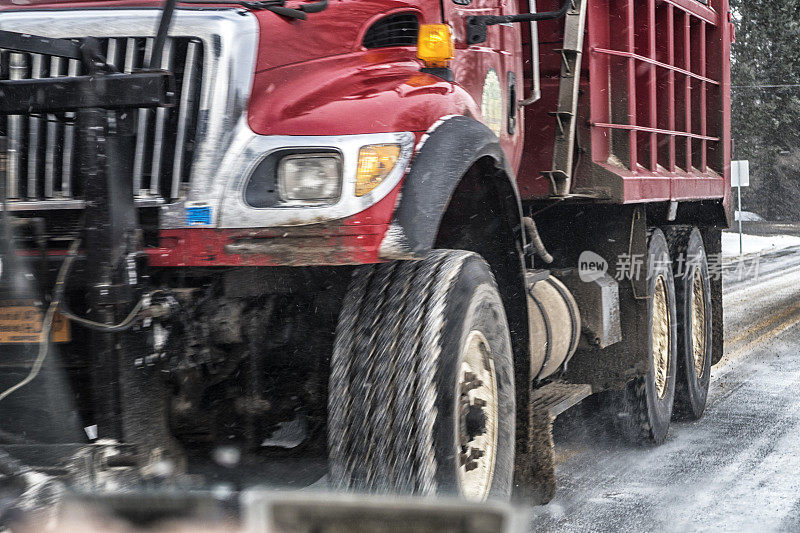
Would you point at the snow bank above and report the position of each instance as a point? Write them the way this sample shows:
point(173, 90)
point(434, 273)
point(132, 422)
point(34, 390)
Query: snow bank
point(747, 216)
point(753, 244)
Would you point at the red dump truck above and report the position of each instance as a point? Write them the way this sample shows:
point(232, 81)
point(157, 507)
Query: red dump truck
point(395, 237)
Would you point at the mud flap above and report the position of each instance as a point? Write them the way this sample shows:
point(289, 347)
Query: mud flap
point(535, 475)
point(624, 239)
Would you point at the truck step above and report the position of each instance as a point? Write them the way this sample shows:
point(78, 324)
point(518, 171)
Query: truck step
point(536, 469)
point(555, 398)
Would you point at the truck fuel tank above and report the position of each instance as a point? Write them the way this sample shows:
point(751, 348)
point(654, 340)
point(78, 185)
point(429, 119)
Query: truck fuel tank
point(554, 323)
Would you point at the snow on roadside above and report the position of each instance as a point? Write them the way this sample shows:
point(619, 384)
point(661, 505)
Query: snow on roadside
point(753, 244)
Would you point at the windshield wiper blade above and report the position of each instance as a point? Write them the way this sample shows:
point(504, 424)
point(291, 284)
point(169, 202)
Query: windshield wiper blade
point(276, 6)
point(314, 7)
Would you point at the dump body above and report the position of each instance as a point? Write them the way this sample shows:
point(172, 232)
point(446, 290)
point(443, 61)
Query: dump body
point(652, 124)
point(654, 120)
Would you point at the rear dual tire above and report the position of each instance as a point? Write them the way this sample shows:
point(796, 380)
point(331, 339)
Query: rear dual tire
point(693, 299)
point(421, 392)
point(647, 401)
point(679, 320)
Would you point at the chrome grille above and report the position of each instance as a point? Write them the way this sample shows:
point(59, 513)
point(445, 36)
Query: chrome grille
point(42, 150)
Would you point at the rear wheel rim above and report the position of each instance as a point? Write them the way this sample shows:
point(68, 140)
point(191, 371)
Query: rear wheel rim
point(661, 335)
point(478, 419)
point(698, 323)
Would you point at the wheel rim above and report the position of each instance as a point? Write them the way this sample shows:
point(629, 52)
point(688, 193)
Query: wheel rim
point(478, 419)
point(661, 333)
point(698, 323)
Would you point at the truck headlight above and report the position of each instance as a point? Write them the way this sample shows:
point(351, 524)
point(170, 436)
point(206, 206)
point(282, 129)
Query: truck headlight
point(310, 177)
point(375, 163)
point(301, 179)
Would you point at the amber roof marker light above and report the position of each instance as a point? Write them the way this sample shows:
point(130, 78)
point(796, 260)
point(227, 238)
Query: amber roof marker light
point(436, 47)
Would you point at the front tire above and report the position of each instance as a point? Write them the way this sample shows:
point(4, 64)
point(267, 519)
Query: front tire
point(421, 392)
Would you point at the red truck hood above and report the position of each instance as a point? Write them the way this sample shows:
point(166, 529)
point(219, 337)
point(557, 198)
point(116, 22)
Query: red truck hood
point(337, 30)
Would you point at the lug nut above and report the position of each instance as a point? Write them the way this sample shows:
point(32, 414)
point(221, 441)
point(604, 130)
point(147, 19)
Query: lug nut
point(475, 453)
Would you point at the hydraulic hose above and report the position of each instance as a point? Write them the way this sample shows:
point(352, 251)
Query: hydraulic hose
point(125, 325)
point(167, 11)
point(536, 240)
point(5, 223)
point(47, 325)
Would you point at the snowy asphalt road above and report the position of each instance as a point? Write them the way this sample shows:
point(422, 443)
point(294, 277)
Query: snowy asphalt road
point(737, 469)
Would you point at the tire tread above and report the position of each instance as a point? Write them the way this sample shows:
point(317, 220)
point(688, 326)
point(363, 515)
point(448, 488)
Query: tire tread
point(391, 322)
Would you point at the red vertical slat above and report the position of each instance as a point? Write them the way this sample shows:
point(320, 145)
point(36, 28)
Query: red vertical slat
point(599, 17)
point(718, 99)
point(651, 29)
point(703, 107)
point(687, 64)
point(671, 91)
point(630, 29)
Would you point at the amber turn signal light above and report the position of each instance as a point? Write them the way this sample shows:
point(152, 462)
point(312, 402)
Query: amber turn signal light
point(375, 163)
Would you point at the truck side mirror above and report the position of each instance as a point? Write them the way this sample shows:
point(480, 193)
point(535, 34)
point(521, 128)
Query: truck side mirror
point(476, 25)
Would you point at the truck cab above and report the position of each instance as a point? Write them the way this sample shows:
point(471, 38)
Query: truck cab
point(395, 236)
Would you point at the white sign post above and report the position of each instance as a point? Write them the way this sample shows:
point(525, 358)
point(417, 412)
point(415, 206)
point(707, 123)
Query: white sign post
point(740, 177)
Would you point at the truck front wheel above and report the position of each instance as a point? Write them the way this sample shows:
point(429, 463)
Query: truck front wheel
point(648, 400)
point(421, 391)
